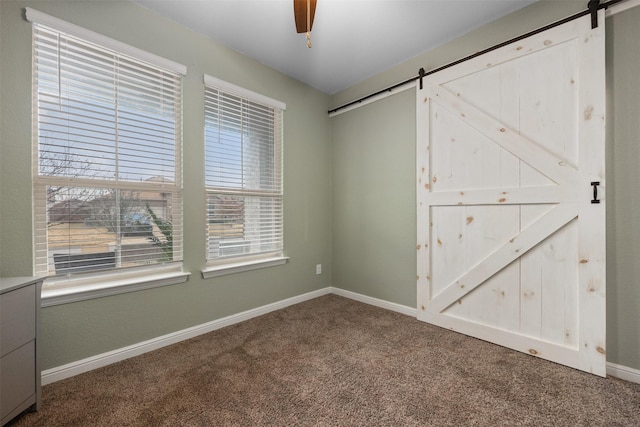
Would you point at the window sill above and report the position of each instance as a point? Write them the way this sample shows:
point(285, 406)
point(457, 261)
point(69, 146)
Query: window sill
point(102, 286)
point(239, 267)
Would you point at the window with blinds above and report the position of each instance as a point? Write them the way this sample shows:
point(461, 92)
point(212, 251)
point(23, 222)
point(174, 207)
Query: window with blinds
point(107, 154)
point(243, 173)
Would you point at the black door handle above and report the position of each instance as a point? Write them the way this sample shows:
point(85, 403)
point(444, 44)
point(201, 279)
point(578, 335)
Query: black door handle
point(595, 191)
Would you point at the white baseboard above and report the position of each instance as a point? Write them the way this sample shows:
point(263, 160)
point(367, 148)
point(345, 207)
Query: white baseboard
point(85, 365)
point(399, 308)
point(623, 372)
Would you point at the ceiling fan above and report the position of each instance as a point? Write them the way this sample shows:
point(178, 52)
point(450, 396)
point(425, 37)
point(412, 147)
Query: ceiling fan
point(304, 11)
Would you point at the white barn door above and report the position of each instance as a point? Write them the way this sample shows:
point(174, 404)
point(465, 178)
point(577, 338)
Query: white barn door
point(510, 247)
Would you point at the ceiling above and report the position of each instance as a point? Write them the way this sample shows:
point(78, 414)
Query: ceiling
point(352, 39)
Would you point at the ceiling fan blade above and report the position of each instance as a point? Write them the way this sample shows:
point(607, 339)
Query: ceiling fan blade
point(300, 14)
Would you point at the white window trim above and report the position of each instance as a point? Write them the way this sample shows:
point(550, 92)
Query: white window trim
point(72, 288)
point(239, 267)
point(63, 290)
point(63, 26)
point(244, 93)
point(218, 268)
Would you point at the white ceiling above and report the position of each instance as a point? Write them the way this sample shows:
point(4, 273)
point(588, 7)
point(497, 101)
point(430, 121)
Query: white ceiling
point(352, 39)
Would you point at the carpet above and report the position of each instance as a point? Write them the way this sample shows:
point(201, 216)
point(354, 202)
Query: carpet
point(333, 361)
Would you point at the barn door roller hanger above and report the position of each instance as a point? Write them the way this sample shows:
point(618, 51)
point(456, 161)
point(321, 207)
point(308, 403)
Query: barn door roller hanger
point(594, 6)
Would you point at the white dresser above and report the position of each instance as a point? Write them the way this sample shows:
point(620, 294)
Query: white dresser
point(19, 367)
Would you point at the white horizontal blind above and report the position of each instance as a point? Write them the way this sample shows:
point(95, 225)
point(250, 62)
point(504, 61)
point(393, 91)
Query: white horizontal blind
point(107, 157)
point(243, 175)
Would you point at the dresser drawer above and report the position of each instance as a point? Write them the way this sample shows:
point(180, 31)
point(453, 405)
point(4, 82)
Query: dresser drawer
point(18, 388)
point(17, 318)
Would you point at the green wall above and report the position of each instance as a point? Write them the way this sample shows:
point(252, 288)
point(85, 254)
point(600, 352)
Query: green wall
point(623, 177)
point(373, 161)
point(71, 332)
point(373, 208)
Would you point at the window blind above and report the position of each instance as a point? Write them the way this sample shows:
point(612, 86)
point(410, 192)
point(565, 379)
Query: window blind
point(107, 157)
point(243, 173)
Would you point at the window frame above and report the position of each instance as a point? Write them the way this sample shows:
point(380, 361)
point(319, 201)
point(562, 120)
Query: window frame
point(64, 288)
point(251, 261)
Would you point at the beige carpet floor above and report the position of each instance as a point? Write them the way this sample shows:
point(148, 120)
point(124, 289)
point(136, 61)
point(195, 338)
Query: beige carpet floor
point(332, 361)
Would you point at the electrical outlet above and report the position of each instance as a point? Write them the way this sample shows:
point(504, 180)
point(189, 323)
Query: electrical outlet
point(318, 268)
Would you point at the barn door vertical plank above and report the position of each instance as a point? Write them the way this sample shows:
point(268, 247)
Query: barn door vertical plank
point(422, 201)
point(592, 250)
